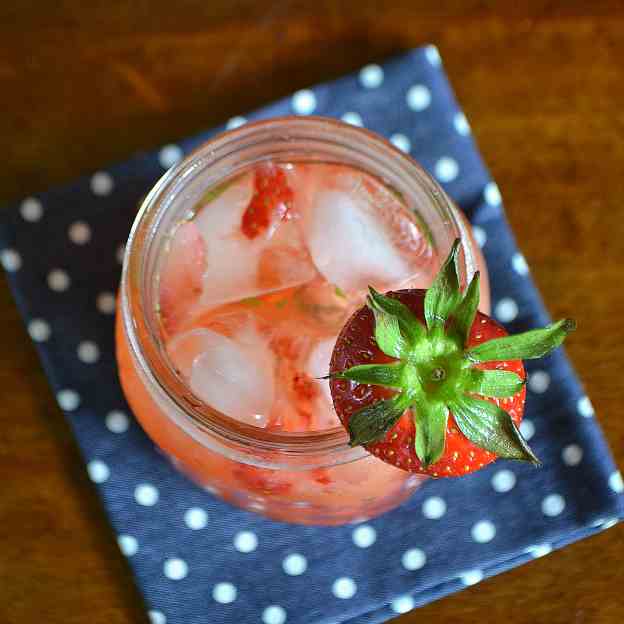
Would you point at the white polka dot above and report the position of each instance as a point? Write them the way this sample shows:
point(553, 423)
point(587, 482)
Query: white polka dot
point(371, 76)
point(11, 260)
point(572, 455)
point(403, 604)
point(117, 421)
point(471, 577)
point(79, 233)
point(246, 542)
point(128, 545)
point(434, 508)
point(539, 381)
point(527, 429)
point(364, 536)
point(105, 303)
point(433, 56)
point(480, 235)
point(616, 483)
point(195, 518)
point(503, 481)
point(120, 252)
point(175, 569)
point(483, 532)
point(69, 400)
point(353, 118)
point(344, 588)
point(169, 155)
point(295, 564)
point(539, 550)
point(98, 471)
point(519, 264)
point(274, 614)
point(506, 310)
point(492, 194)
point(304, 102)
point(413, 559)
point(446, 169)
point(553, 505)
point(461, 124)
point(88, 352)
point(157, 617)
point(146, 494)
point(31, 209)
point(102, 183)
point(585, 407)
point(402, 142)
point(418, 98)
point(224, 593)
point(235, 122)
point(39, 330)
point(58, 280)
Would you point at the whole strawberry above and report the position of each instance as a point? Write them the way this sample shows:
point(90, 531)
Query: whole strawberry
point(429, 384)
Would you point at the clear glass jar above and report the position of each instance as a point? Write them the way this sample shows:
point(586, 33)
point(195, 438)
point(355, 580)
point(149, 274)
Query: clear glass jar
point(310, 478)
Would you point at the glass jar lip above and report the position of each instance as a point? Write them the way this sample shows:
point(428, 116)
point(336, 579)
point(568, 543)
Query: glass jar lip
point(142, 339)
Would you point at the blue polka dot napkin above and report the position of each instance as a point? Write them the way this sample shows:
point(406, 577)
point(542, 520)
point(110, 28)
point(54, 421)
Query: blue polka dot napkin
point(198, 560)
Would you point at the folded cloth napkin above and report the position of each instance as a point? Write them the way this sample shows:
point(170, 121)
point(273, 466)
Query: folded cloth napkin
point(198, 560)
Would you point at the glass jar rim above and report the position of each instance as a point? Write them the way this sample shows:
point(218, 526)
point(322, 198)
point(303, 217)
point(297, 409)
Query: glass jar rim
point(155, 370)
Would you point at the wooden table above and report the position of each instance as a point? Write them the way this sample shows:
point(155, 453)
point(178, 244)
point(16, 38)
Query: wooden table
point(84, 84)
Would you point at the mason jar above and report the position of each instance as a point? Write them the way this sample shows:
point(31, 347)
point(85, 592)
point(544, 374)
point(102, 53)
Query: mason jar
point(310, 477)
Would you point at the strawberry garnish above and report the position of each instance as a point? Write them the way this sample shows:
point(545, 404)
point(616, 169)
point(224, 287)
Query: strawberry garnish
point(270, 204)
point(429, 384)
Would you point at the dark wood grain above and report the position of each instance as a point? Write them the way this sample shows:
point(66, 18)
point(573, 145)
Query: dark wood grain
point(84, 84)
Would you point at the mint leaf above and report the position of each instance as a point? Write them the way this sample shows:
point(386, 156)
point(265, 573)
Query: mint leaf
point(374, 374)
point(466, 310)
point(411, 328)
point(491, 428)
point(339, 292)
point(444, 294)
point(430, 420)
point(529, 345)
point(494, 383)
point(375, 420)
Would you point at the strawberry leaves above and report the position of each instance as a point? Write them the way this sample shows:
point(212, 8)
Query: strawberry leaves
point(494, 383)
point(375, 420)
point(389, 375)
point(411, 330)
point(430, 430)
point(436, 374)
point(464, 313)
point(529, 345)
point(444, 294)
point(491, 428)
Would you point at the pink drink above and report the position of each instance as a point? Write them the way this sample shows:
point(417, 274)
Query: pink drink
point(254, 284)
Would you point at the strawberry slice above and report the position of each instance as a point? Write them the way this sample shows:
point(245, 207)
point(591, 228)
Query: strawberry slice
point(181, 275)
point(270, 204)
point(429, 384)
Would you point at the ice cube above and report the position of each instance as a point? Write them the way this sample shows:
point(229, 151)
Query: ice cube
point(181, 274)
point(358, 232)
point(234, 375)
point(238, 267)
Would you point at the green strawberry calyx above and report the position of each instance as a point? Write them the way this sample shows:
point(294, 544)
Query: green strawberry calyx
point(435, 373)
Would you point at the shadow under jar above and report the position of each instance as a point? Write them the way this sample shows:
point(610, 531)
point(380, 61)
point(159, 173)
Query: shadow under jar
point(242, 266)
